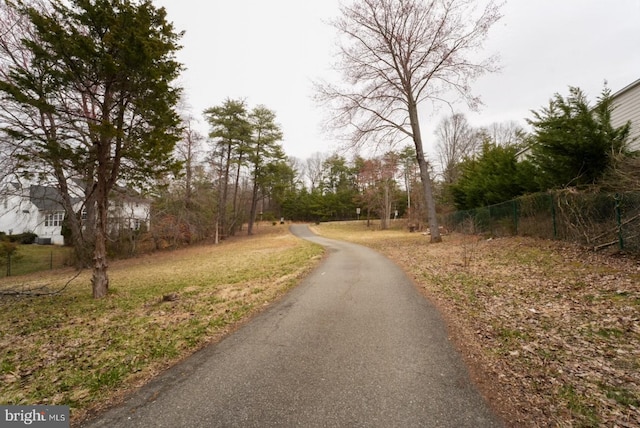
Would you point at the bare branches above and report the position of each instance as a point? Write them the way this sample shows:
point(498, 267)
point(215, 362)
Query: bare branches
point(456, 139)
point(39, 291)
point(395, 53)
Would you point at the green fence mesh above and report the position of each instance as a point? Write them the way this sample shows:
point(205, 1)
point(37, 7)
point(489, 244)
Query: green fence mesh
point(599, 220)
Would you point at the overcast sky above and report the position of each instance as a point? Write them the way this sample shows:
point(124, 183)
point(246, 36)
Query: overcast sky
point(269, 52)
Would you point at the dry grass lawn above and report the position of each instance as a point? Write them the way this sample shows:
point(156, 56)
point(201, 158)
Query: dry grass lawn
point(70, 349)
point(550, 331)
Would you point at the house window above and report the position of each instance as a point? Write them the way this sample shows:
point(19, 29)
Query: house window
point(54, 219)
point(84, 214)
point(136, 224)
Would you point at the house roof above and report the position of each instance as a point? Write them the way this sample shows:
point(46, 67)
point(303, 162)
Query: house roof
point(46, 198)
point(49, 199)
point(626, 88)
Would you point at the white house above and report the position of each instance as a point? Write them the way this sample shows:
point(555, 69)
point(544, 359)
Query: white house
point(128, 211)
point(38, 209)
point(627, 108)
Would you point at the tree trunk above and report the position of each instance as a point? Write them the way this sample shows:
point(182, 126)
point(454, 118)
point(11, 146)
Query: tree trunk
point(236, 215)
point(428, 196)
point(386, 211)
point(254, 207)
point(189, 176)
point(424, 174)
point(100, 279)
point(254, 194)
point(222, 208)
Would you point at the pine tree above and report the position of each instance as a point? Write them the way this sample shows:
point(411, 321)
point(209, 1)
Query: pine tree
point(574, 143)
point(99, 83)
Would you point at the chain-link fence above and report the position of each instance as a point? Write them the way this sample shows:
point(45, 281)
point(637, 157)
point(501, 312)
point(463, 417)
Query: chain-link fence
point(598, 220)
point(25, 261)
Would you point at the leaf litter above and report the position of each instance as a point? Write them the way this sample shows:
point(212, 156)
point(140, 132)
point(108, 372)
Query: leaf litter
point(551, 331)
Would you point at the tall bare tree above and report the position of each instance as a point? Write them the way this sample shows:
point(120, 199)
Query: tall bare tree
point(397, 54)
point(504, 133)
point(314, 169)
point(456, 139)
point(187, 151)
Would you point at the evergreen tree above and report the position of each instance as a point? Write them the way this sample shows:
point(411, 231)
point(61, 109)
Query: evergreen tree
point(94, 101)
point(492, 177)
point(573, 143)
point(230, 131)
point(264, 151)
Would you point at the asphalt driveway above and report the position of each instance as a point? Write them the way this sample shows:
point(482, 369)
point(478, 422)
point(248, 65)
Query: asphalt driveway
point(354, 345)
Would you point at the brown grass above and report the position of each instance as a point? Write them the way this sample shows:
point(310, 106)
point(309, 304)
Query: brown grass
point(551, 331)
point(70, 349)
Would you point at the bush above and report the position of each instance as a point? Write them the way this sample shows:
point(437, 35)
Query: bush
point(7, 249)
point(23, 238)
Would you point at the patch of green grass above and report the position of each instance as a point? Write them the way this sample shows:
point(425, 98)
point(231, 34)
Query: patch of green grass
point(109, 377)
point(471, 284)
point(584, 414)
point(531, 256)
point(621, 395)
point(36, 258)
point(511, 338)
point(610, 333)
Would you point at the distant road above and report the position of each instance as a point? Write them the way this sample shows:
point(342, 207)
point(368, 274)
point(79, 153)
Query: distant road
point(355, 345)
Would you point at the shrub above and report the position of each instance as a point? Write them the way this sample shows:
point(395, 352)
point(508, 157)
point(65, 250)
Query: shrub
point(23, 238)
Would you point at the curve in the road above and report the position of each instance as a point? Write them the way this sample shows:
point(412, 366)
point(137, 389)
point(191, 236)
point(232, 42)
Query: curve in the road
point(354, 345)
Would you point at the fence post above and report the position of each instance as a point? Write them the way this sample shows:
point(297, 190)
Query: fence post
point(553, 216)
point(8, 264)
point(515, 215)
point(51, 261)
point(491, 222)
point(619, 221)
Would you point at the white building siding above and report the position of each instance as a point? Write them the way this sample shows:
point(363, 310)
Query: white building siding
point(36, 209)
point(18, 215)
point(627, 108)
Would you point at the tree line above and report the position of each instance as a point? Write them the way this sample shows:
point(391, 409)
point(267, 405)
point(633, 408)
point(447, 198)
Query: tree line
point(90, 104)
point(572, 143)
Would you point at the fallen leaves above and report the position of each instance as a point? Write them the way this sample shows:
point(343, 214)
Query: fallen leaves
point(551, 331)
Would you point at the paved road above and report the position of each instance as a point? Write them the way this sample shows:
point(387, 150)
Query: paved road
point(355, 345)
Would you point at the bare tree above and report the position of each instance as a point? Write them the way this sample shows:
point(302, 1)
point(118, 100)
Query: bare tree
point(188, 149)
point(456, 139)
point(397, 54)
point(314, 169)
point(299, 167)
point(504, 133)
